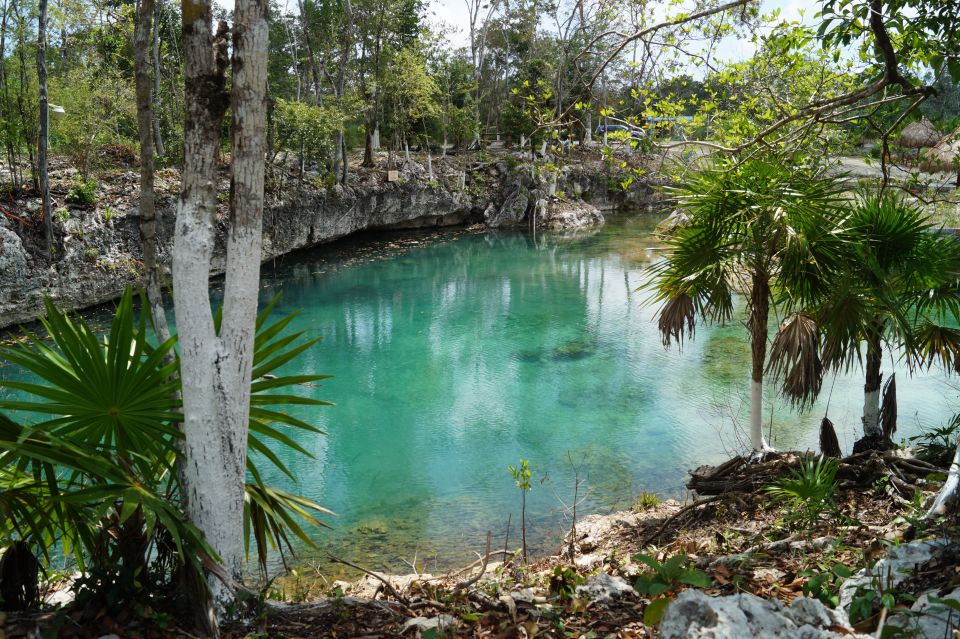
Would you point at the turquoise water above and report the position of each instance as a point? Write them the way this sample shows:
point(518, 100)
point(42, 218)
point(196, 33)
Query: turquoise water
point(456, 358)
point(457, 355)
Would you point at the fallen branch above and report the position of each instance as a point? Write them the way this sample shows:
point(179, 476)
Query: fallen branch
point(486, 558)
point(389, 586)
point(683, 511)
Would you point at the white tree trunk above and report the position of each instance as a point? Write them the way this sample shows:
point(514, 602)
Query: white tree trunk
point(216, 370)
point(949, 490)
point(376, 138)
point(757, 440)
point(871, 413)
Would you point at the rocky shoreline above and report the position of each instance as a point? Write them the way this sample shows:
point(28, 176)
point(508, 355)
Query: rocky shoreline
point(101, 246)
point(758, 577)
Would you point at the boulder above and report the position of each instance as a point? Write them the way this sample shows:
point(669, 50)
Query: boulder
point(603, 587)
point(512, 210)
point(902, 561)
point(672, 223)
point(565, 215)
point(929, 620)
point(13, 260)
point(695, 615)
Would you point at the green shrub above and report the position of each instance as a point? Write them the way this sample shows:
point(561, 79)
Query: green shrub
point(646, 501)
point(664, 580)
point(99, 110)
point(82, 193)
point(564, 582)
point(808, 491)
point(938, 444)
point(62, 214)
point(91, 254)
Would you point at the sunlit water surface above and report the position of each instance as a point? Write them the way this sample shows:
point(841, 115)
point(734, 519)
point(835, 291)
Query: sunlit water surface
point(458, 355)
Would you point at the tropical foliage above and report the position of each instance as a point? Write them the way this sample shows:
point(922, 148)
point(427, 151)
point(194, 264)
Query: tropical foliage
point(895, 287)
point(763, 227)
point(94, 473)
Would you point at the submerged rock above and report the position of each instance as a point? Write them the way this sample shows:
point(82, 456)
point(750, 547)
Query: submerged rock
point(574, 350)
point(695, 615)
point(672, 223)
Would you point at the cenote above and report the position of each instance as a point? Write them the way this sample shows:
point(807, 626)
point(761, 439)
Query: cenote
point(457, 354)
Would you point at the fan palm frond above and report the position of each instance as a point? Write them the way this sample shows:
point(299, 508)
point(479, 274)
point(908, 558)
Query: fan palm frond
point(795, 359)
point(829, 444)
point(677, 320)
point(888, 407)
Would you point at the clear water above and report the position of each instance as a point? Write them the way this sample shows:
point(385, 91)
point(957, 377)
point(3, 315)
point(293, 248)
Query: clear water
point(458, 355)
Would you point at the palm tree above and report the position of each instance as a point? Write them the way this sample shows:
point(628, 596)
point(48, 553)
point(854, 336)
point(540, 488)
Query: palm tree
point(897, 286)
point(763, 227)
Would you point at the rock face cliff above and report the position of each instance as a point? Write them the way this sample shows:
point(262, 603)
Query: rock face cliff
point(100, 253)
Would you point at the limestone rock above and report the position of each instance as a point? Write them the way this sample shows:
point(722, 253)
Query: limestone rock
point(424, 624)
point(566, 215)
point(604, 587)
point(590, 560)
point(894, 568)
point(931, 621)
point(102, 257)
point(695, 615)
point(512, 210)
point(13, 261)
point(672, 223)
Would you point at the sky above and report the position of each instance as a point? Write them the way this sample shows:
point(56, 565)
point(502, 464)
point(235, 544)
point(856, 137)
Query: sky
point(453, 13)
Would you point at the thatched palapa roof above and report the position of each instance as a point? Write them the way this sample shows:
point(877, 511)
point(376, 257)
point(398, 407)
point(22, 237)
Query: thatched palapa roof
point(945, 155)
point(919, 134)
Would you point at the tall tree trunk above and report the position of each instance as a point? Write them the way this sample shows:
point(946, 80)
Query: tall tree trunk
point(44, 124)
point(311, 56)
point(206, 100)
point(5, 97)
point(368, 148)
point(216, 369)
point(155, 102)
point(871, 389)
point(242, 285)
point(21, 106)
point(148, 210)
point(757, 325)
point(346, 46)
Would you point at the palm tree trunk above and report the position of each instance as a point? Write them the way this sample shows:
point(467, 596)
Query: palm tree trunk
point(871, 389)
point(757, 325)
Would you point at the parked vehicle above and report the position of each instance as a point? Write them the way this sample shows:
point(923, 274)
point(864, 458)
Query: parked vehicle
point(635, 133)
